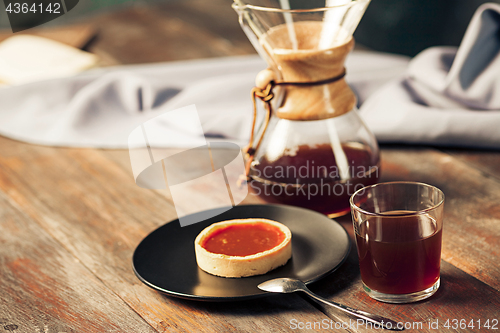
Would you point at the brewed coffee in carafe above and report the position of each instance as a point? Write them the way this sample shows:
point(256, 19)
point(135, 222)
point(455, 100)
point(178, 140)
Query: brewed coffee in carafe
point(312, 149)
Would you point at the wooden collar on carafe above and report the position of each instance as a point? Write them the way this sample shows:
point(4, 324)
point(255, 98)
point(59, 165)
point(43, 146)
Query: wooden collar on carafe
point(306, 97)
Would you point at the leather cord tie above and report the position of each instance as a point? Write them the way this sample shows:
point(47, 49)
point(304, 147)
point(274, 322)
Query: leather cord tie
point(266, 95)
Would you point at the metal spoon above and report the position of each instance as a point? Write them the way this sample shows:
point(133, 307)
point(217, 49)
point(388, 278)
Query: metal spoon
point(286, 286)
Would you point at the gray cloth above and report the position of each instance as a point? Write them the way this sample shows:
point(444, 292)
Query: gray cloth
point(449, 96)
point(102, 107)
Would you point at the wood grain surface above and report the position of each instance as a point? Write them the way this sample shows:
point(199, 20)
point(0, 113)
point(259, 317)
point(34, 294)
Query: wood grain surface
point(70, 218)
point(176, 30)
point(46, 288)
point(91, 206)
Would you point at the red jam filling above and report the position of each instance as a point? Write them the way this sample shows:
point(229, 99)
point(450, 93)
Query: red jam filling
point(244, 239)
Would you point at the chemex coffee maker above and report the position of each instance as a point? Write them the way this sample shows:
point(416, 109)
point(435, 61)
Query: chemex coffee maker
point(311, 149)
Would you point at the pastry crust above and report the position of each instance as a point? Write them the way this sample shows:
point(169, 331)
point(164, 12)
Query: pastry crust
point(241, 266)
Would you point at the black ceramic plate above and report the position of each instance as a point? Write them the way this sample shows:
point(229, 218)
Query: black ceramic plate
point(165, 259)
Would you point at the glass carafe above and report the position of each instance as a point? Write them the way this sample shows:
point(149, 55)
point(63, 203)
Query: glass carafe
point(312, 148)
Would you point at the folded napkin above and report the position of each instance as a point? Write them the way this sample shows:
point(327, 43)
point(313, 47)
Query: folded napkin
point(448, 96)
point(102, 107)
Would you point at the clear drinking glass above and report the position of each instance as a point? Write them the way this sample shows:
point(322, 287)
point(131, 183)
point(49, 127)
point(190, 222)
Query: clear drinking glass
point(398, 228)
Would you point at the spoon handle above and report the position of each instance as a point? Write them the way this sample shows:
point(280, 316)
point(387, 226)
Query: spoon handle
point(382, 321)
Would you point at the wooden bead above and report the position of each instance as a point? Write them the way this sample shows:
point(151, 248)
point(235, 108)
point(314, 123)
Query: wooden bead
point(264, 77)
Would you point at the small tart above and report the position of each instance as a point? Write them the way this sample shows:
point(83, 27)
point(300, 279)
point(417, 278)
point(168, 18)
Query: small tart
point(239, 248)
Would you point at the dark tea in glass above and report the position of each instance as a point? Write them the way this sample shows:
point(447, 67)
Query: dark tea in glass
point(399, 255)
point(398, 229)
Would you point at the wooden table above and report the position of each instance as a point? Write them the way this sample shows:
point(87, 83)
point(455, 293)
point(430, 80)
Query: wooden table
point(71, 218)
